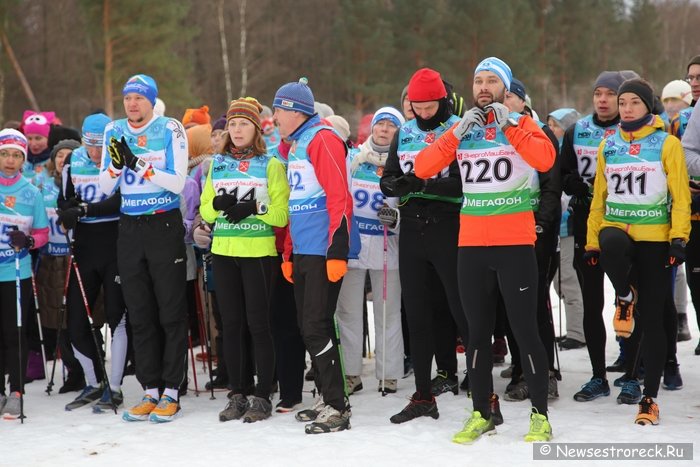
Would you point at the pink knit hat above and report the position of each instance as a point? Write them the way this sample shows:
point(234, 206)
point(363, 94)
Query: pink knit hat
point(37, 123)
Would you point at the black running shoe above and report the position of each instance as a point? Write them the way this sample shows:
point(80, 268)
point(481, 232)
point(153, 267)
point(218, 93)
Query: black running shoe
point(495, 407)
point(417, 408)
point(443, 383)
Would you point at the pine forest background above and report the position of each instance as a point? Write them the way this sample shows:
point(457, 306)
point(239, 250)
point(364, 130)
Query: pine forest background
point(75, 55)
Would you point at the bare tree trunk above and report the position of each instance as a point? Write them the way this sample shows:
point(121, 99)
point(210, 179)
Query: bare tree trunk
point(224, 52)
point(20, 74)
point(2, 86)
point(108, 91)
point(244, 60)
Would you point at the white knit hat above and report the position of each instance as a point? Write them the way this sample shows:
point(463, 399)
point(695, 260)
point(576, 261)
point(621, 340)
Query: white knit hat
point(13, 139)
point(677, 89)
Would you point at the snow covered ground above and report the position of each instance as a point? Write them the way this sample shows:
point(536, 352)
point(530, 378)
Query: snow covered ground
point(52, 437)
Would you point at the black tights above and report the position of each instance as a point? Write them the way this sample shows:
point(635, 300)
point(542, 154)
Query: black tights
point(627, 262)
point(512, 270)
point(243, 291)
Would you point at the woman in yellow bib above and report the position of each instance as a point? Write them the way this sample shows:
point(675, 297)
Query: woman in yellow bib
point(638, 225)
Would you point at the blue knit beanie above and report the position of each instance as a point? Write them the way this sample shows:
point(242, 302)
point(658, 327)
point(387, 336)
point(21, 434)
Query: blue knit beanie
point(94, 129)
point(388, 113)
point(144, 85)
point(497, 66)
point(295, 96)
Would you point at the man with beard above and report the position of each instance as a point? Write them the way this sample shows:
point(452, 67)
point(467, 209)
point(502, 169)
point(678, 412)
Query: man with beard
point(497, 152)
point(145, 157)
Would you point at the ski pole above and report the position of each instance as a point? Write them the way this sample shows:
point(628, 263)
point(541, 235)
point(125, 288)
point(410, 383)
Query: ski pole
point(38, 321)
point(386, 244)
point(61, 315)
point(205, 262)
point(90, 320)
point(194, 369)
point(18, 294)
point(560, 291)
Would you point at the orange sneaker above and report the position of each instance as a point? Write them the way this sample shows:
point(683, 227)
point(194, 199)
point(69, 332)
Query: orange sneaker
point(166, 410)
point(648, 412)
point(623, 321)
point(141, 411)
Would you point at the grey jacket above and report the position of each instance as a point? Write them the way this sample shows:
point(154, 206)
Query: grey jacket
point(691, 144)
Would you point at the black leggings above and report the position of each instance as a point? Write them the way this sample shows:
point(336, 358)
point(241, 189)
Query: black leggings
point(512, 270)
point(316, 298)
point(445, 329)
point(98, 271)
point(631, 345)
point(692, 266)
point(627, 262)
point(428, 248)
point(545, 252)
point(9, 336)
point(289, 345)
point(243, 291)
point(591, 281)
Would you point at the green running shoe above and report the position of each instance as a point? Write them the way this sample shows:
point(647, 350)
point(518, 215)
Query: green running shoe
point(540, 429)
point(474, 428)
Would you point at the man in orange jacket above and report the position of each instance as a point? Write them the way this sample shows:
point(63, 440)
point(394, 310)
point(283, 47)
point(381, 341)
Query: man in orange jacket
point(497, 152)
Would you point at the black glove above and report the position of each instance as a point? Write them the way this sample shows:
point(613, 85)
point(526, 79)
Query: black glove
point(579, 188)
point(591, 257)
point(68, 218)
point(676, 252)
point(388, 216)
point(240, 211)
point(223, 202)
point(115, 153)
point(19, 240)
point(130, 159)
point(406, 184)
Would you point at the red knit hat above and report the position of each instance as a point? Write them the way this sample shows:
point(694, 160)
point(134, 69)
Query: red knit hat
point(426, 85)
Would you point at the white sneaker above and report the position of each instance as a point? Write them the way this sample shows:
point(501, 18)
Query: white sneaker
point(309, 415)
point(390, 386)
point(353, 383)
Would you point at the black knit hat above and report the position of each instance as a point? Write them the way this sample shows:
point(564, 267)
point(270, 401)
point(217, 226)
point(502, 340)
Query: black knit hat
point(693, 61)
point(640, 88)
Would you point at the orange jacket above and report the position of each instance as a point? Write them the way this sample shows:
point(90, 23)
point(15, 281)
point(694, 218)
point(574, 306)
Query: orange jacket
point(534, 147)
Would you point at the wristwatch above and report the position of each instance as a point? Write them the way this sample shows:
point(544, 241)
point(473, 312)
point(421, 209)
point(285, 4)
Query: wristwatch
point(262, 208)
point(509, 123)
point(539, 229)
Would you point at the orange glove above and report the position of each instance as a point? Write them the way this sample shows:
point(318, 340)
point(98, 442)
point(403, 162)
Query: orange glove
point(336, 269)
point(287, 271)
